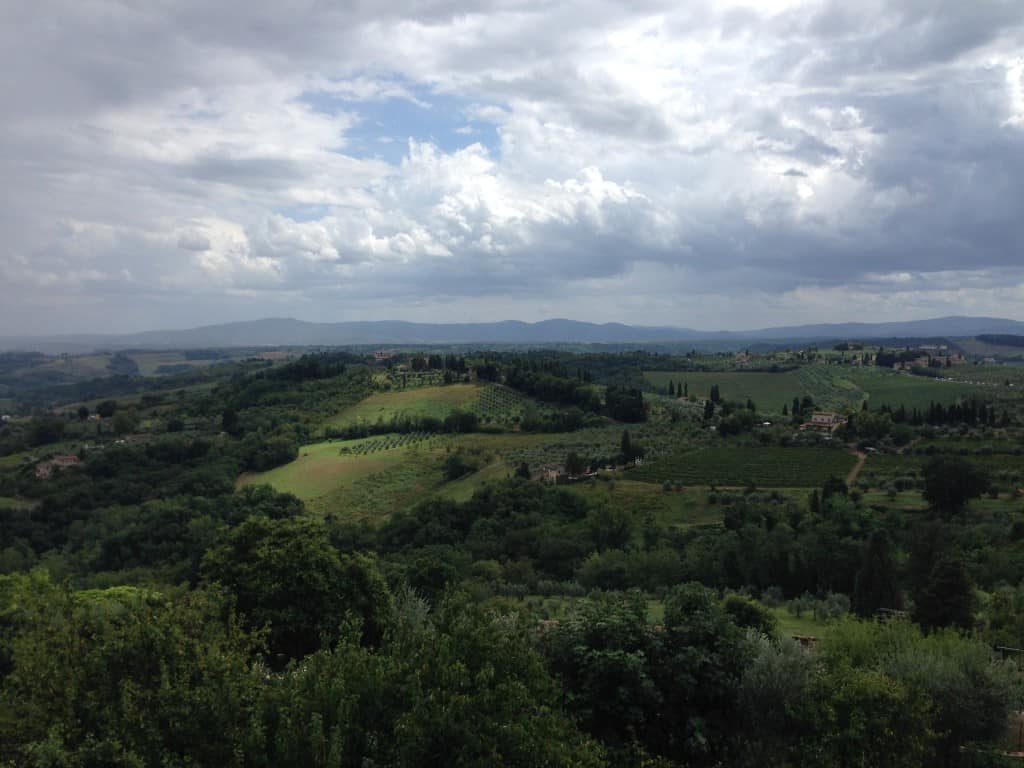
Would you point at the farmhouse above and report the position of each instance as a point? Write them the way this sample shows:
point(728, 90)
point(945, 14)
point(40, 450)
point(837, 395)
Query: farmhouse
point(824, 421)
point(45, 469)
point(384, 354)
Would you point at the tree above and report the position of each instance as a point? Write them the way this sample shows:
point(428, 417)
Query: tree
point(950, 482)
point(83, 413)
point(284, 573)
point(229, 421)
point(626, 446)
point(709, 410)
point(106, 408)
point(947, 599)
point(125, 677)
point(875, 584)
point(750, 613)
point(574, 465)
point(125, 422)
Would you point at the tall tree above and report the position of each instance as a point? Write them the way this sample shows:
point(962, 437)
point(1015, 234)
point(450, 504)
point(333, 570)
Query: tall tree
point(950, 482)
point(875, 584)
point(947, 599)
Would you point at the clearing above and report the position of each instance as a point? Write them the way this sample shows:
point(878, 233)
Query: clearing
point(420, 402)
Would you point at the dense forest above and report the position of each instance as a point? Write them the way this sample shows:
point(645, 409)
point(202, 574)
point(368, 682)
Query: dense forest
point(510, 558)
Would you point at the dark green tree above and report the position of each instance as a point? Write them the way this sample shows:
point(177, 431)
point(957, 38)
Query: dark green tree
point(875, 585)
point(285, 574)
point(947, 599)
point(950, 482)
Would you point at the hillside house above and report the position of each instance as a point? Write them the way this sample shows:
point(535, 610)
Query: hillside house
point(45, 469)
point(824, 421)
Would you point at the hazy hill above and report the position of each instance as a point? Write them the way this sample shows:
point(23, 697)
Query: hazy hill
point(290, 332)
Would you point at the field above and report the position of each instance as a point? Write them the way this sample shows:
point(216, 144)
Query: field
point(896, 389)
point(677, 509)
point(769, 391)
point(768, 467)
point(841, 388)
point(421, 402)
point(805, 626)
point(499, 404)
point(366, 479)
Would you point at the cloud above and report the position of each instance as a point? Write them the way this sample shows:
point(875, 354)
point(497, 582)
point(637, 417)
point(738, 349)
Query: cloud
point(193, 241)
point(704, 163)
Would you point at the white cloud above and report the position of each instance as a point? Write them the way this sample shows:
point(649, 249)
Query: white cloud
point(654, 162)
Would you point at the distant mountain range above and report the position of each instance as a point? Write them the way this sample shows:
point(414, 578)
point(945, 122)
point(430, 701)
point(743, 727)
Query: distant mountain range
point(273, 332)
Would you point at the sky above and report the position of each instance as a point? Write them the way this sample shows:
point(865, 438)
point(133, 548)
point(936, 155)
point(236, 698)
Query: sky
point(713, 165)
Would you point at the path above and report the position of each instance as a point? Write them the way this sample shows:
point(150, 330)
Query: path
point(861, 458)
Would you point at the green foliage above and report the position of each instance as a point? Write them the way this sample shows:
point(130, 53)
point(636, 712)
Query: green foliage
point(123, 677)
point(286, 574)
point(949, 483)
point(875, 586)
point(750, 613)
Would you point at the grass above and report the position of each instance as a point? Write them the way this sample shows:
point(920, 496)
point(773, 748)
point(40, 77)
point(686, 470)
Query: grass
point(322, 469)
point(769, 391)
point(368, 479)
point(6, 502)
point(464, 488)
point(679, 509)
point(768, 467)
point(806, 625)
point(840, 388)
point(895, 389)
point(422, 402)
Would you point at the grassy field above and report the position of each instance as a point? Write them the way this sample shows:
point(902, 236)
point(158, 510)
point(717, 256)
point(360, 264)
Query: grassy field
point(6, 502)
point(464, 488)
point(679, 509)
point(841, 388)
point(422, 402)
point(321, 468)
point(768, 467)
point(894, 389)
point(769, 391)
point(367, 479)
point(806, 625)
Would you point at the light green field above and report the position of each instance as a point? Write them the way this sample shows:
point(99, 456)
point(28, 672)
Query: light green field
point(464, 488)
point(769, 391)
point(896, 389)
point(805, 626)
point(321, 469)
point(422, 402)
point(6, 502)
point(841, 388)
point(335, 478)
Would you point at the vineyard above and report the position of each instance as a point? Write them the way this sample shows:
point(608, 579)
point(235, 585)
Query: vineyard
point(385, 443)
point(498, 404)
point(424, 402)
point(764, 466)
point(658, 439)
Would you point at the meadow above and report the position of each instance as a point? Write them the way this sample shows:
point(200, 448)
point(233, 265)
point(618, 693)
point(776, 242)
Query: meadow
point(769, 391)
point(896, 389)
point(835, 387)
point(419, 402)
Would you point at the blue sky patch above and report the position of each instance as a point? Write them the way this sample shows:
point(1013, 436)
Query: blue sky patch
point(386, 125)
